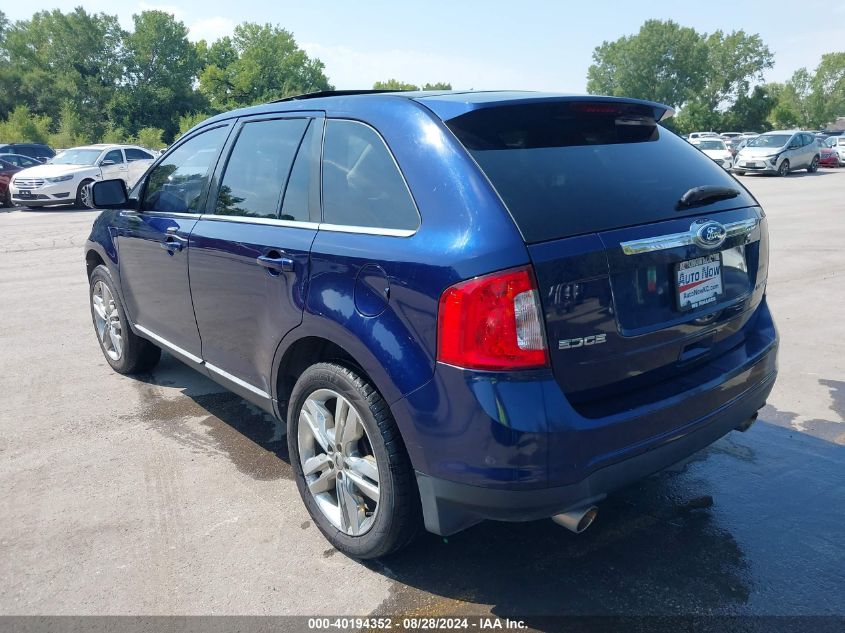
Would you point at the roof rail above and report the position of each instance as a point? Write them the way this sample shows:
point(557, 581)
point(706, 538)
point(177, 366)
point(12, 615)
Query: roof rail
point(332, 93)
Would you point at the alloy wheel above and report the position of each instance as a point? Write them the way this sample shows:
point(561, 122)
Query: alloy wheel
point(85, 196)
point(337, 460)
point(107, 321)
point(783, 170)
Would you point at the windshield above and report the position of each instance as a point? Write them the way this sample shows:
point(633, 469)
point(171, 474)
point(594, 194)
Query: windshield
point(769, 140)
point(76, 157)
point(710, 145)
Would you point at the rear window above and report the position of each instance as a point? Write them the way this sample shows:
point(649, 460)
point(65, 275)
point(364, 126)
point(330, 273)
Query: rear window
point(569, 168)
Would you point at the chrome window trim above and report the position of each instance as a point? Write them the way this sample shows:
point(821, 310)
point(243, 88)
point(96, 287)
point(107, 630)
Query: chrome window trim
point(367, 230)
point(320, 226)
point(294, 224)
point(167, 214)
point(237, 381)
point(164, 342)
point(687, 238)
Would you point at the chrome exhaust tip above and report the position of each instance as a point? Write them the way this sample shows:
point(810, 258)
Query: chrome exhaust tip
point(577, 520)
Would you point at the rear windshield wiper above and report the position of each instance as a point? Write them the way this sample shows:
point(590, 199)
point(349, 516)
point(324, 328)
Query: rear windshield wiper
point(705, 195)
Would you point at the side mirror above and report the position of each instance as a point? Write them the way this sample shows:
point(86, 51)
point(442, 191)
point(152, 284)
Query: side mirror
point(109, 194)
point(106, 162)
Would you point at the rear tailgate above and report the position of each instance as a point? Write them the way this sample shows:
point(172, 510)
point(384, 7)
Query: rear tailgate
point(617, 336)
point(637, 308)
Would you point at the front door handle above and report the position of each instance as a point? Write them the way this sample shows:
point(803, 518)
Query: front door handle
point(275, 261)
point(173, 243)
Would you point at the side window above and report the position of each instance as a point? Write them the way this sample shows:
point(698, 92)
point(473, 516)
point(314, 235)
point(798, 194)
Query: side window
point(114, 157)
point(362, 185)
point(133, 154)
point(177, 183)
point(258, 168)
point(297, 198)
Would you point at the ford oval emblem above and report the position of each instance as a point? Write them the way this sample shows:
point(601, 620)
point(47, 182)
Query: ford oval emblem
point(708, 233)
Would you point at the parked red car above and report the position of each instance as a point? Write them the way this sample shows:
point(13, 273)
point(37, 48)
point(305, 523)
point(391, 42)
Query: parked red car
point(11, 164)
point(828, 156)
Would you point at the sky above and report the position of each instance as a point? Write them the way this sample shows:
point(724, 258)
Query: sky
point(519, 44)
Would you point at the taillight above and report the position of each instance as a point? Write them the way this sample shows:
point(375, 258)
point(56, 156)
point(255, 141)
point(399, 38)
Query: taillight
point(492, 322)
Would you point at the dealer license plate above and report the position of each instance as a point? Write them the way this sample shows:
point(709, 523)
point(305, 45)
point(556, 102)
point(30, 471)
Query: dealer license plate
point(698, 282)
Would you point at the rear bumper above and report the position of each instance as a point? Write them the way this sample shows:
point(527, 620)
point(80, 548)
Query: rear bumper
point(449, 507)
point(511, 447)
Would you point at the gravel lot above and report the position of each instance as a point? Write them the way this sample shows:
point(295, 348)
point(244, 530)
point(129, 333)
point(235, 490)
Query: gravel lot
point(166, 495)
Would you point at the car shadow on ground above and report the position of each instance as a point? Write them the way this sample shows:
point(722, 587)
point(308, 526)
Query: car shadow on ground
point(205, 416)
point(727, 533)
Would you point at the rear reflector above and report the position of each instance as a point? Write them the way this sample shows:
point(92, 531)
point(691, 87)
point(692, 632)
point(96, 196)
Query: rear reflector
point(492, 322)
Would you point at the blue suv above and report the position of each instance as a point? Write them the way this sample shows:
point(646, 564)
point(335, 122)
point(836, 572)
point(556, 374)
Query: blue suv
point(465, 305)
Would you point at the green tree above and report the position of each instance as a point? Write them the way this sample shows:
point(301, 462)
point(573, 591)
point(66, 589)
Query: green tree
point(187, 121)
point(23, 126)
point(704, 76)
point(261, 62)
point(72, 129)
point(394, 84)
point(663, 62)
point(828, 87)
point(56, 57)
point(161, 68)
point(150, 137)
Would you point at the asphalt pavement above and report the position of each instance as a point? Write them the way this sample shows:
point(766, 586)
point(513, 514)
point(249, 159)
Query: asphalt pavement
point(164, 494)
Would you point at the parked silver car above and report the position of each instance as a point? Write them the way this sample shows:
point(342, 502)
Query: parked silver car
point(778, 152)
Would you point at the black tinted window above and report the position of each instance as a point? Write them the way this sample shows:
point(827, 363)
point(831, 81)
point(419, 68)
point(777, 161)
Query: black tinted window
point(178, 182)
point(297, 197)
point(136, 154)
point(567, 168)
point(115, 157)
point(362, 185)
point(258, 168)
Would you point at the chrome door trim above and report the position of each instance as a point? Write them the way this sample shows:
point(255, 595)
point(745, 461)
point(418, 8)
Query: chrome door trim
point(171, 346)
point(241, 383)
point(687, 238)
point(367, 230)
point(294, 224)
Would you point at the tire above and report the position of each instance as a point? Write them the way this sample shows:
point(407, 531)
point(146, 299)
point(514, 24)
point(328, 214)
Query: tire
point(338, 489)
point(81, 200)
point(132, 354)
point(783, 170)
point(814, 165)
point(6, 199)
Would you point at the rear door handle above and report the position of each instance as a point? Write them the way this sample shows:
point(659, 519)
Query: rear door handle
point(274, 261)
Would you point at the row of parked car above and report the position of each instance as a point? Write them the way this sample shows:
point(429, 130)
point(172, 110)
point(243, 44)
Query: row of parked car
point(779, 152)
point(34, 175)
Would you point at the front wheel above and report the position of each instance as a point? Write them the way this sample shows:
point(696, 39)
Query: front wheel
point(814, 165)
point(83, 195)
point(126, 352)
point(350, 463)
point(783, 170)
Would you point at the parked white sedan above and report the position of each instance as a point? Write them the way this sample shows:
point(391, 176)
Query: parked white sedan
point(716, 149)
point(66, 178)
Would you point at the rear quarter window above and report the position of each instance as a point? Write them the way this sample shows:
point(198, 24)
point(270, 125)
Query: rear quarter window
point(362, 184)
point(569, 168)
